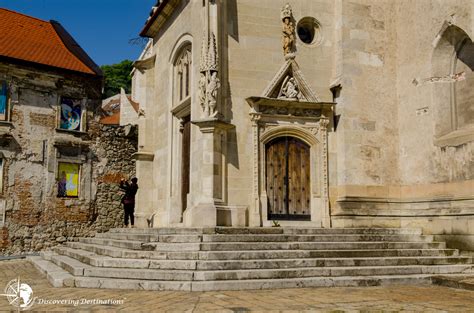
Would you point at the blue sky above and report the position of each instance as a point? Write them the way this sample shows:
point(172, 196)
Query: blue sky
point(103, 28)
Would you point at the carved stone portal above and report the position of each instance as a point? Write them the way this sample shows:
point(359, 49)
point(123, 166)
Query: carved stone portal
point(289, 112)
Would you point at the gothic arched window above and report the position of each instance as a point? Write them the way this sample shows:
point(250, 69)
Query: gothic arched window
point(183, 74)
point(453, 60)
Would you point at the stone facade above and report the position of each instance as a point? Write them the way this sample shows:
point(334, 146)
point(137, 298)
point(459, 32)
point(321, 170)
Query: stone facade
point(399, 144)
point(32, 146)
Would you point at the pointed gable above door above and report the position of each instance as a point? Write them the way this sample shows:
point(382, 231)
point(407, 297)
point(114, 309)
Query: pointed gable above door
point(289, 84)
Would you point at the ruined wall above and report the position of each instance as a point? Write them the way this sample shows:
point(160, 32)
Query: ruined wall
point(32, 146)
point(114, 147)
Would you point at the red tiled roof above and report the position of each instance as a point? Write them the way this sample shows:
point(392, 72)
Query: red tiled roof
point(113, 119)
point(114, 105)
point(30, 39)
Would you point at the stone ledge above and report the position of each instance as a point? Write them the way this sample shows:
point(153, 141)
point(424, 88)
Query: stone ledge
point(455, 138)
point(144, 156)
point(393, 207)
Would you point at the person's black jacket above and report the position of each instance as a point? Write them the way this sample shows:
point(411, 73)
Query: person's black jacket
point(130, 192)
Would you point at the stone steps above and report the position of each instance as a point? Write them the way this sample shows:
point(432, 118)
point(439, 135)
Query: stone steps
point(126, 244)
point(250, 258)
point(328, 262)
point(77, 268)
point(137, 254)
point(331, 272)
point(314, 238)
point(234, 245)
point(57, 276)
point(93, 259)
point(266, 230)
point(252, 254)
point(62, 278)
point(152, 237)
point(304, 282)
point(356, 281)
point(263, 238)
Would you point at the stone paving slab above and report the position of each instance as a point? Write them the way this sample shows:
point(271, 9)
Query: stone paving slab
point(412, 298)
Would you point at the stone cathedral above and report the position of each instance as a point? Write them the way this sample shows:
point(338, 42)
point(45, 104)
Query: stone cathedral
point(317, 113)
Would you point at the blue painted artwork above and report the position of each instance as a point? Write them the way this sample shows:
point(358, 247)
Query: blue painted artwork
point(3, 100)
point(70, 114)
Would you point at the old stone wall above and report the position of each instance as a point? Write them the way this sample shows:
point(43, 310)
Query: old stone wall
point(425, 160)
point(115, 146)
point(32, 145)
point(431, 161)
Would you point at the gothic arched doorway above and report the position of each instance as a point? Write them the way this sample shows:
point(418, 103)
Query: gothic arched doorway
point(287, 162)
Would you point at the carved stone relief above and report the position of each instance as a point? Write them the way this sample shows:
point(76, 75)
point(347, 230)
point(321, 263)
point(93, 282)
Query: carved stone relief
point(314, 130)
point(274, 110)
point(289, 84)
point(289, 89)
point(209, 83)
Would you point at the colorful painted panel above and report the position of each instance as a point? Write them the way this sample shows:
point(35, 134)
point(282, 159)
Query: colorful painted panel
point(68, 180)
point(71, 111)
point(3, 100)
point(1, 176)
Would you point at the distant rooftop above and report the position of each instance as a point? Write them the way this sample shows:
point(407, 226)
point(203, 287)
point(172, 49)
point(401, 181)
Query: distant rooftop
point(29, 39)
point(111, 109)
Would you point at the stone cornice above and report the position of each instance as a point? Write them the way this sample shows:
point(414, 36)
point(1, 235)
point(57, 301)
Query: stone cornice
point(159, 16)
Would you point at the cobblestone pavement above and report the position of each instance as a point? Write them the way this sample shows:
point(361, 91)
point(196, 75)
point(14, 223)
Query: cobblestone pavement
point(392, 298)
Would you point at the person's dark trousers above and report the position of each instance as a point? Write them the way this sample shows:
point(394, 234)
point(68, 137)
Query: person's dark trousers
point(129, 208)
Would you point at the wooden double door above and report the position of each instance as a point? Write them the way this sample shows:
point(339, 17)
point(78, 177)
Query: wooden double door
point(287, 163)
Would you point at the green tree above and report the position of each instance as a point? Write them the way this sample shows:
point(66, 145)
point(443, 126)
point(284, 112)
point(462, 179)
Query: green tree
point(117, 76)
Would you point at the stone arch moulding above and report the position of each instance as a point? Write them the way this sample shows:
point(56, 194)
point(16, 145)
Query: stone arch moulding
point(184, 40)
point(314, 134)
point(289, 130)
point(178, 110)
point(452, 65)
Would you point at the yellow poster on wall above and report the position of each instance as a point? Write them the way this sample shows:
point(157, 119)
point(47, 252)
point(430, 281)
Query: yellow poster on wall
point(68, 180)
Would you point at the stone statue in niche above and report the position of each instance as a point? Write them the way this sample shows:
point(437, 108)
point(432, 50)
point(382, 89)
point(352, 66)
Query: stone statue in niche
point(288, 39)
point(212, 88)
point(289, 89)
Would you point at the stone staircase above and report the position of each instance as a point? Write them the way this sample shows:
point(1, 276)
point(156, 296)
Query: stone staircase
point(201, 259)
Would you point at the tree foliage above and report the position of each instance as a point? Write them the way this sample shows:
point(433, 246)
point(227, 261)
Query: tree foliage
point(117, 76)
